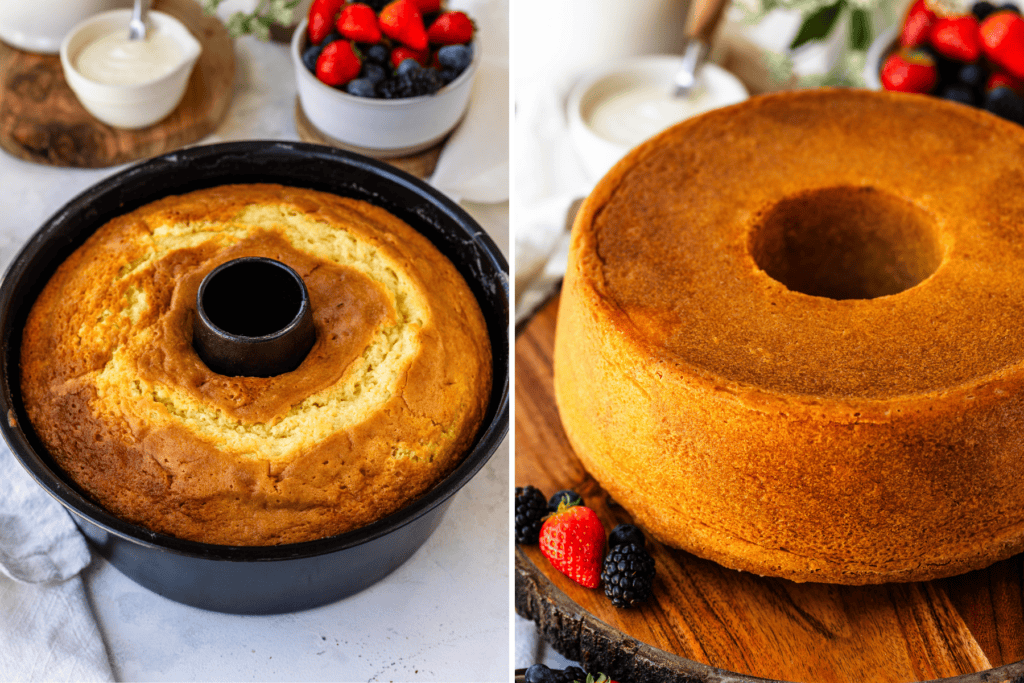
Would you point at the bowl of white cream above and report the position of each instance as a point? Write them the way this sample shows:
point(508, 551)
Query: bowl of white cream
point(129, 83)
point(614, 108)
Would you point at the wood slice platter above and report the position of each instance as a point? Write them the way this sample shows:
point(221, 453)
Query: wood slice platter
point(42, 121)
point(708, 623)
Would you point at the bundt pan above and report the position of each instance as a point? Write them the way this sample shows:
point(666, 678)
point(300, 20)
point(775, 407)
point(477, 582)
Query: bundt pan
point(265, 579)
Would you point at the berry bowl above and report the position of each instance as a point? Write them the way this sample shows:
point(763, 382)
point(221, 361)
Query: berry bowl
point(382, 128)
point(255, 579)
point(971, 53)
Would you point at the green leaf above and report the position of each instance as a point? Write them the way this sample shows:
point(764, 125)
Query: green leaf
point(818, 25)
point(860, 29)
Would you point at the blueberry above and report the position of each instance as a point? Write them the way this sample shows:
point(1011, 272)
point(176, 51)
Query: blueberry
point(374, 73)
point(982, 9)
point(377, 54)
point(449, 75)
point(958, 92)
point(330, 38)
point(361, 87)
point(626, 533)
point(946, 68)
point(1004, 102)
point(455, 57)
point(407, 66)
point(1010, 6)
point(310, 56)
point(973, 75)
point(538, 673)
point(568, 496)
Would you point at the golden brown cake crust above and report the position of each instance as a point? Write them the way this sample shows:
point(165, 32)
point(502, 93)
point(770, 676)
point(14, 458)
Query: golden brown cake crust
point(385, 405)
point(804, 430)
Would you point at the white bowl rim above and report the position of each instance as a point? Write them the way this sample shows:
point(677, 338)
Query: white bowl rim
point(189, 57)
point(299, 36)
point(588, 79)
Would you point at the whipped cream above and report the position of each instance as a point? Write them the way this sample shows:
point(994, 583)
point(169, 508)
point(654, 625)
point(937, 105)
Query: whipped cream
point(116, 60)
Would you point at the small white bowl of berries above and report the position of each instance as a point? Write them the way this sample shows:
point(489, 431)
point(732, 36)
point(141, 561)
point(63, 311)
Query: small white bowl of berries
point(385, 77)
point(974, 56)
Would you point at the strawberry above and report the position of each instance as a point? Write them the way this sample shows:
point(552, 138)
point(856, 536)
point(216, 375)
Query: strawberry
point(909, 70)
point(338, 64)
point(402, 53)
point(572, 538)
point(957, 37)
point(401, 20)
point(1003, 80)
point(358, 22)
point(1002, 36)
point(917, 24)
point(428, 6)
point(451, 28)
point(321, 19)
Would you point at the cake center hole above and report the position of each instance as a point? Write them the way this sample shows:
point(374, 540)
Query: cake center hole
point(252, 298)
point(846, 243)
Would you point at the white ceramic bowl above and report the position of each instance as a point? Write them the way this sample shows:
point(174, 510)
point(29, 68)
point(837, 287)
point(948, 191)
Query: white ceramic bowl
point(599, 149)
point(876, 54)
point(378, 127)
point(40, 25)
point(136, 105)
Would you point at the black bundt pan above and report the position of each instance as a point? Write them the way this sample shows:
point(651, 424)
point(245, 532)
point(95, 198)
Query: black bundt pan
point(275, 579)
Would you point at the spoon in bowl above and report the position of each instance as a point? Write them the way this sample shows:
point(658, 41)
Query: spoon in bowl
point(137, 25)
point(703, 18)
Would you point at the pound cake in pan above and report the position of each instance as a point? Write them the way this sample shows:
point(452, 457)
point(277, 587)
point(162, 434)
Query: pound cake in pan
point(385, 404)
point(791, 336)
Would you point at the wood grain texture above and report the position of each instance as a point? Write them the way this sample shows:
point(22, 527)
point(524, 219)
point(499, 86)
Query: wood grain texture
point(709, 623)
point(42, 121)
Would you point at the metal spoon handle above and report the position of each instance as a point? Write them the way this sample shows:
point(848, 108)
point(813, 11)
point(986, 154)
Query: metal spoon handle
point(137, 25)
point(702, 20)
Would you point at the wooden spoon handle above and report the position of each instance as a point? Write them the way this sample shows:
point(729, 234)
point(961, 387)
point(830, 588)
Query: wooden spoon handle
point(704, 16)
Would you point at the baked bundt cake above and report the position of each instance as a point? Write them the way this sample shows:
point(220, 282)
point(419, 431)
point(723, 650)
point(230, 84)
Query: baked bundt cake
point(385, 404)
point(791, 336)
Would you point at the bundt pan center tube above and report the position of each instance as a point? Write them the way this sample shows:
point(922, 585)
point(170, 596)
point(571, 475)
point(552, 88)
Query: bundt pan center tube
point(290, 575)
point(789, 338)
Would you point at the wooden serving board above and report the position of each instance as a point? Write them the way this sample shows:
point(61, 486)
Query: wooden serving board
point(708, 623)
point(42, 121)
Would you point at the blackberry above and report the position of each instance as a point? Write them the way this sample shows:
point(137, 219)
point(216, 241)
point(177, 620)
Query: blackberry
point(361, 87)
point(377, 53)
point(626, 533)
point(375, 73)
point(310, 56)
point(568, 496)
point(531, 509)
point(1004, 102)
point(449, 75)
point(412, 83)
point(982, 9)
point(628, 575)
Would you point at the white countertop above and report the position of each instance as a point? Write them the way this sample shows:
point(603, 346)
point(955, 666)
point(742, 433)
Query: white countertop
point(443, 615)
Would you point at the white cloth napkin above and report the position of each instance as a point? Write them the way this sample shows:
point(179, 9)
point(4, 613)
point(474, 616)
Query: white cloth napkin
point(475, 160)
point(47, 629)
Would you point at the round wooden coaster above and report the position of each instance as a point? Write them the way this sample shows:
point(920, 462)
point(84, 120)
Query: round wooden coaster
point(41, 120)
point(709, 624)
point(418, 163)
